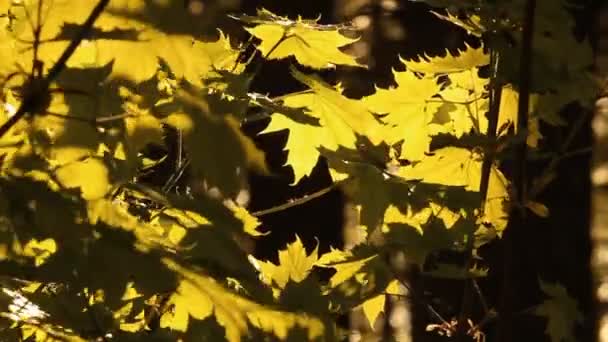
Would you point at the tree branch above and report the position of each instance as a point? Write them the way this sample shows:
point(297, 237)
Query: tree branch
point(42, 88)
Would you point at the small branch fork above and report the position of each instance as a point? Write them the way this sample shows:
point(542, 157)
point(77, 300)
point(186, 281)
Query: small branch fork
point(41, 89)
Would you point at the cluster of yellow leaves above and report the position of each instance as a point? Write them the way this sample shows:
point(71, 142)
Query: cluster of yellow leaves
point(441, 95)
point(90, 147)
point(353, 278)
point(313, 45)
point(199, 296)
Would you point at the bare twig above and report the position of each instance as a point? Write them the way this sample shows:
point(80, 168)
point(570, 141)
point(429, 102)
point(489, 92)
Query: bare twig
point(298, 201)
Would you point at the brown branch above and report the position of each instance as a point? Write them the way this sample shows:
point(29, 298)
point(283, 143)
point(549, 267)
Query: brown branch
point(486, 168)
point(42, 88)
point(516, 220)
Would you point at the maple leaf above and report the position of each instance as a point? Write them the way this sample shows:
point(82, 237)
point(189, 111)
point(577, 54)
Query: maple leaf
point(294, 265)
point(346, 264)
point(410, 110)
point(340, 119)
point(373, 307)
point(199, 296)
point(561, 312)
point(311, 44)
point(455, 166)
point(122, 35)
point(467, 59)
point(361, 274)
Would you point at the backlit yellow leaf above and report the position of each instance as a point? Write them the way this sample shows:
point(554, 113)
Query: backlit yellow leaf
point(373, 307)
point(409, 110)
point(311, 44)
point(467, 59)
point(340, 118)
point(294, 264)
point(90, 175)
point(199, 296)
point(455, 166)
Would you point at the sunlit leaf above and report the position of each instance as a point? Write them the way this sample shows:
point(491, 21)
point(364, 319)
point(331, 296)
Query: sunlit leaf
point(340, 119)
point(199, 296)
point(294, 264)
point(91, 176)
point(460, 167)
point(311, 44)
point(410, 109)
point(466, 59)
point(372, 308)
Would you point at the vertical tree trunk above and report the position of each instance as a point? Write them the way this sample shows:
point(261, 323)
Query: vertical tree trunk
point(599, 180)
point(366, 15)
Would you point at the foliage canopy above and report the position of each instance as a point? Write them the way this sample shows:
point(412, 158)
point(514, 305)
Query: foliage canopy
point(90, 251)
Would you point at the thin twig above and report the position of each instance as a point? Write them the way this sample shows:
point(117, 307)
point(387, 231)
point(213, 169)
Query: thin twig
point(561, 155)
point(175, 177)
point(482, 299)
point(421, 300)
point(298, 201)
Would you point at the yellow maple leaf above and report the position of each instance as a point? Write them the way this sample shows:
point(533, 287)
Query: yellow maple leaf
point(311, 44)
point(122, 35)
point(340, 119)
point(294, 264)
point(467, 59)
point(199, 296)
point(345, 264)
point(409, 110)
point(454, 166)
point(373, 307)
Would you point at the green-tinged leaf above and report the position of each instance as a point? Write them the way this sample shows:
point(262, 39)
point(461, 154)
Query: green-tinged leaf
point(451, 271)
point(368, 185)
point(340, 119)
point(345, 263)
point(361, 274)
point(561, 312)
point(418, 243)
point(312, 44)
